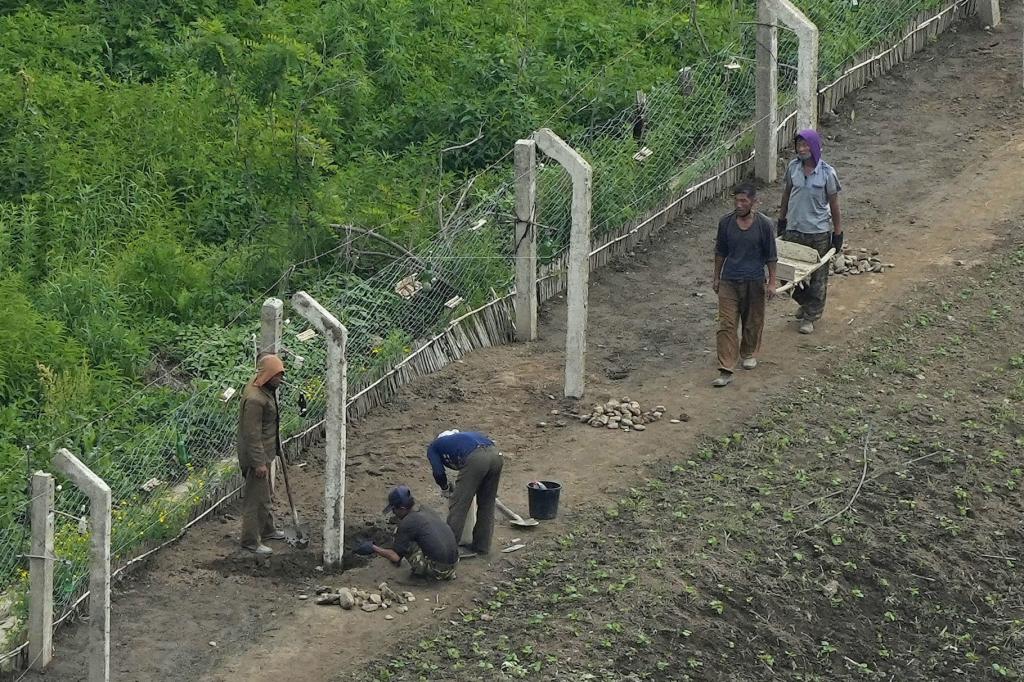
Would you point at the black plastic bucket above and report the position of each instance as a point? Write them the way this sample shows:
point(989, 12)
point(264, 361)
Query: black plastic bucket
point(544, 503)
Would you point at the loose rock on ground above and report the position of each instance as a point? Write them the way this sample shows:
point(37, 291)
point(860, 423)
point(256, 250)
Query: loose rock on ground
point(349, 598)
point(625, 415)
point(858, 262)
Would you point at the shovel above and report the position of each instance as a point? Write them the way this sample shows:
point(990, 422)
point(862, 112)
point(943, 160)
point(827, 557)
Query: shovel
point(295, 536)
point(513, 518)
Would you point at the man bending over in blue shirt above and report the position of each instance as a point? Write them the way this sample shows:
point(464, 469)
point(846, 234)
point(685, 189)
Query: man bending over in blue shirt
point(479, 464)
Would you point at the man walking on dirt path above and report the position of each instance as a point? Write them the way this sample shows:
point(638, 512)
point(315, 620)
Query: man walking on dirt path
point(745, 247)
point(810, 216)
point(423, 538)
point(479, 463)
point(258, 425)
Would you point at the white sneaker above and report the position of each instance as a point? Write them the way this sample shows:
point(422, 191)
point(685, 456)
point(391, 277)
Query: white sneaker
point(749, 363)
point(807, 327)
point(724, 379)
point(276, 535)
point(258, 550)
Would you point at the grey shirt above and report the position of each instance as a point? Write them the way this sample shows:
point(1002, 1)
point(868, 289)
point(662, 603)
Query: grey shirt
point(425, 528)
point(809, 211)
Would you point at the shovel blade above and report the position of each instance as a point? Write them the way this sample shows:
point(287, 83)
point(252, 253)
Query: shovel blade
point(297, 536)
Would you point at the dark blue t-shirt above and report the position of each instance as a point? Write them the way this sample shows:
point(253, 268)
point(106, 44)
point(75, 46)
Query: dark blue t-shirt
point(452, 451)
point(746, 252)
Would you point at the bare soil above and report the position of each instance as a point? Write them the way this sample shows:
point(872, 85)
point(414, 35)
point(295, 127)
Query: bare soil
point(930, 161)
point(867, 524)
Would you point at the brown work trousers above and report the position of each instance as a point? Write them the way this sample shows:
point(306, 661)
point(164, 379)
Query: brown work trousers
point(257, 519)
point(479, 478)
point(739, 303)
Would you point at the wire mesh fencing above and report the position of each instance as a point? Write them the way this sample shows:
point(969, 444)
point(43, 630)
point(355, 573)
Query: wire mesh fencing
point(848, 27)
point(397, 301)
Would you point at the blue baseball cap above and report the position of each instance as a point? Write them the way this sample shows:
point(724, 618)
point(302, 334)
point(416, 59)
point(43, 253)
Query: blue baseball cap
point(400, 496)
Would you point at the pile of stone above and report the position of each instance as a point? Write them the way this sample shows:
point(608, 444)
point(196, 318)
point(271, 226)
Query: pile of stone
point(624, 414)
point(354, 598)
point(861, 262)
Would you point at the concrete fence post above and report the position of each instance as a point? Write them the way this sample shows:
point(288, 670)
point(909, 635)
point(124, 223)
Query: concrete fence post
point(334, 423)
point(40, 594)
point(271, 318)
point(579, 257)
point(807, 61)
point(526, 240)
point(769, 12)
point(766, 130)
point(988, 13)
point(99, 560)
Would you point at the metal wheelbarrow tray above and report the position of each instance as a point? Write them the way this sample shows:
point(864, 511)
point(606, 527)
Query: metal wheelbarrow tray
point(796, 263)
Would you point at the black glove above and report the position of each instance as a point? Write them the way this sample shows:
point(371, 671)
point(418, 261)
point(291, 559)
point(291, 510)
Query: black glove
point(364, 548)
point(780, 226)
point(837, 242)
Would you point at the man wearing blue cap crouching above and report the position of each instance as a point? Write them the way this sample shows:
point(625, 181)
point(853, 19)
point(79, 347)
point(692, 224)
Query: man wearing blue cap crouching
point(423, 538)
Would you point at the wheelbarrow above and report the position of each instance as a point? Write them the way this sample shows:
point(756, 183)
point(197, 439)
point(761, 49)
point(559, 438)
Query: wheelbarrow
point(797, 263)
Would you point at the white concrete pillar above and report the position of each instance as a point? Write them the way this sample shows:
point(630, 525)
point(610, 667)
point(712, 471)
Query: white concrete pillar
point(334, 423)
point(988, 12)
point(99, 560)
point(579, 257)
point(766, 133)
point(271, 317)
point(526, 240)
point(40, 591)
point(807, 66)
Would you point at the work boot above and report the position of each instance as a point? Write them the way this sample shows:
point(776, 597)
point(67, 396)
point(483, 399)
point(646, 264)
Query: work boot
point(749, 363)
point(276, 535)
point(258, 549)
point(724, 379)
point(807, 327)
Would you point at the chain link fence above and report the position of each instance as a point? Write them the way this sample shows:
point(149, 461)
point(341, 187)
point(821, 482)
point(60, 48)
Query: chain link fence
point(414, 310)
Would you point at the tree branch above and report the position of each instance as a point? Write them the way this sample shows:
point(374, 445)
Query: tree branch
point(381, 238)
point(440, 175)
point(696, 27)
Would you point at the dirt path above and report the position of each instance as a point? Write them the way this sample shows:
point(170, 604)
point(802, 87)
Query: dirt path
point(930, 179)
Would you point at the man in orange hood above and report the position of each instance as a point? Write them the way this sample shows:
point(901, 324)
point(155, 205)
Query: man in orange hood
point(258, 426)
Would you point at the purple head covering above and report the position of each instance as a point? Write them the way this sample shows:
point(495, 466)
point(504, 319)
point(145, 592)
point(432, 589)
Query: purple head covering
point(813, 141)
